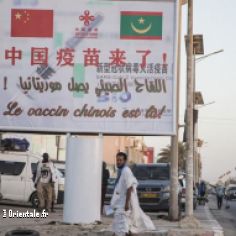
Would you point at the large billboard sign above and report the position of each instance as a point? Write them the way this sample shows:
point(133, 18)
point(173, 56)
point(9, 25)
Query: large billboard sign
point(88, 66)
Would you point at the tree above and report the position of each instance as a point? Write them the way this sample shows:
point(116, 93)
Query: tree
point(164, 155)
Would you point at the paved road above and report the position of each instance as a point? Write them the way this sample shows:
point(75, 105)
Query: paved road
point(225, 217)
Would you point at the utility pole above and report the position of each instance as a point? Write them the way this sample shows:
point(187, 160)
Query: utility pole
point(196, 110)
point(174, 157)
point(189, 123)
point(195, 125)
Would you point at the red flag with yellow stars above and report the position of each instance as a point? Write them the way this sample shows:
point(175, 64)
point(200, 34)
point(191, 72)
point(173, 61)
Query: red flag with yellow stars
point(31, 23)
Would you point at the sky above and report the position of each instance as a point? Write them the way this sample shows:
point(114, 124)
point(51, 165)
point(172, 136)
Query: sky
point(216, 79)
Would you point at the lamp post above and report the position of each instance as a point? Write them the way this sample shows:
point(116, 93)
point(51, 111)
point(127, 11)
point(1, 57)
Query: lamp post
point(198, 49)
point(198, 99)
point(194, 46)
point(174, 201)
point(189, 120)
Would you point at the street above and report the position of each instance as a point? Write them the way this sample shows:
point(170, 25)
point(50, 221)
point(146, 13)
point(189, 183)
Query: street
point(225, 217)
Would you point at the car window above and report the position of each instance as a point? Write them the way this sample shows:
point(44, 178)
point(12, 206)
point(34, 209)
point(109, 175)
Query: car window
point(11, 167)
point(181, 182)
point(58, 173)
point(62, 172)
point(141, 173)
point(34, 170)
point(151, 172)
point(232, 189)
point(34, 167)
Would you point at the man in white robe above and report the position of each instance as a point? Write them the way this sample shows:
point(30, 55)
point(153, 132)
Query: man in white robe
point(128, 216)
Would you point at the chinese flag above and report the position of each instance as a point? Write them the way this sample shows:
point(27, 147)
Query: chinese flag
point(31, 23)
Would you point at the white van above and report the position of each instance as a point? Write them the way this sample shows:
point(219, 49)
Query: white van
point(18, 171)
point(61, 166)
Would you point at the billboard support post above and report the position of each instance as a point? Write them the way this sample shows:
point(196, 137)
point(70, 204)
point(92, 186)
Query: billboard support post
point(83, 180)
point(174, 201)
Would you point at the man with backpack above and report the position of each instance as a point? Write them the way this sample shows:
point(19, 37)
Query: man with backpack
point(219, 195)
point(44, 182)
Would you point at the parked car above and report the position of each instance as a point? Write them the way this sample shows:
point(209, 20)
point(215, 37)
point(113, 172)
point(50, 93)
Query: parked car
point(230, 193)
point(110, 190)
point(182, 182)
point(61, 166)
point(18, 171)
point(153, 186)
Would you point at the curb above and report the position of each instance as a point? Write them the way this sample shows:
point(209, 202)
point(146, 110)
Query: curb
point(216, 227)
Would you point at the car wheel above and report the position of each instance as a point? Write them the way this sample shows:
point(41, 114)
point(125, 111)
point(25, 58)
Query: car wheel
point(22, 232)
point(34, 200)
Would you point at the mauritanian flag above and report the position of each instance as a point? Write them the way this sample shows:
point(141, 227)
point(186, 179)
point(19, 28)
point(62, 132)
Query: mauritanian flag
point(31, 23)
point(141, 25)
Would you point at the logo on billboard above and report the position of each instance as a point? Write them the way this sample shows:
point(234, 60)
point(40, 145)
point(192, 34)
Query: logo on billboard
point(86, 31)
point(141, 25)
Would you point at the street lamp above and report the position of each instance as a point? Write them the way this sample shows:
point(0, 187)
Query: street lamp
point(194, 46)
point(206, 104)
point(199, 59)
point(198, 100)
point(189, 120)
point(198, 49)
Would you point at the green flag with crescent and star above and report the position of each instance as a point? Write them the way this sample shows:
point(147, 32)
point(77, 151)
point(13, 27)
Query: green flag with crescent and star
point(141, 25)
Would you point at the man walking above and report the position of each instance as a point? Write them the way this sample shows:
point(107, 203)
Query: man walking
point(219, 196)
point(128, 216)
point(44, 182)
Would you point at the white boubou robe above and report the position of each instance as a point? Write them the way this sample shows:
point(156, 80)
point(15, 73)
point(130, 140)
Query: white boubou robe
point(134, 220)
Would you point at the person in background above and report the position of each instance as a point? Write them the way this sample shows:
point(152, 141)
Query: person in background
point(105, 177)
point(219, 195)
point(44, 182)
point(128, 216)
point(202, 189)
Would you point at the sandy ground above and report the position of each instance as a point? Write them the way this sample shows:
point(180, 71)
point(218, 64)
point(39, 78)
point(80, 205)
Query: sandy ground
point(53, 224)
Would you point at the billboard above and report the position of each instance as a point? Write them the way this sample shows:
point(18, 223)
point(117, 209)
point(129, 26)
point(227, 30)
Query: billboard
point(88, 66)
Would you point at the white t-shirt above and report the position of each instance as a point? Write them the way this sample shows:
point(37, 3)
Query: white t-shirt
point(45, 172)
